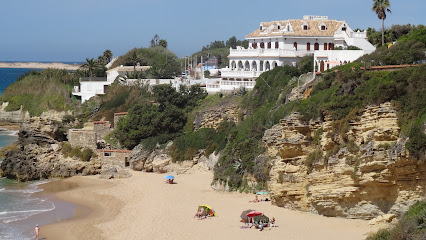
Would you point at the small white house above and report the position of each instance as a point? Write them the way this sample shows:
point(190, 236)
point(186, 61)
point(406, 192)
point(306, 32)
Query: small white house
point(92, 86)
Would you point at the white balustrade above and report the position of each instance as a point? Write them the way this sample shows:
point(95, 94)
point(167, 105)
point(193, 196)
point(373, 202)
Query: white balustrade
point(260, 52)
point(240, 74)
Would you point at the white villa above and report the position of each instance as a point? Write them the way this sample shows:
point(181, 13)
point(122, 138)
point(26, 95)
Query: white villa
point(91, 86)
point(280, 43)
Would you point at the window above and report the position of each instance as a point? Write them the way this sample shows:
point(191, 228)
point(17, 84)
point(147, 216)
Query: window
point(260, 28)
point(262, 45)
point(331, 46)
point(323, 28)
point(308, 46)
point(254, 45)
point(325, 46)
point(269, 45)
point(316, 46)
point(276, 44)
point(343, 28)
point(305, 27)
point(107, 154)
point(295, 46)
point(279, 27)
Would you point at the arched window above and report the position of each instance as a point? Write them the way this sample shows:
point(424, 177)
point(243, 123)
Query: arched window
point(254, 45)
point(295, 46)
point(276, 44)
point(316, 46)
point(262, 45)
point(308, 46)
point(269, 45)
point(325, 46)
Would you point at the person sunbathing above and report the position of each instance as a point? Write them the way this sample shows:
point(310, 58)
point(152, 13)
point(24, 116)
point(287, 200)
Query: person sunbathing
point(256, 199)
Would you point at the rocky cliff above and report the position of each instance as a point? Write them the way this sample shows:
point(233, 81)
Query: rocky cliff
point(211, 117)
point(157, 160)
point(13, 117)
point(364, 174)
point(39, 154)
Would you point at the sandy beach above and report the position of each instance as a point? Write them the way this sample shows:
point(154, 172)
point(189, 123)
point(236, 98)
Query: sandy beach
point(37, 65)
point(144, 207)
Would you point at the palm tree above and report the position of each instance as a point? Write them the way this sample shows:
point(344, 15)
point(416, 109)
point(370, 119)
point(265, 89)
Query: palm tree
point(135, 59)
point(107, 55)
point(90, 65)
point(381, 7)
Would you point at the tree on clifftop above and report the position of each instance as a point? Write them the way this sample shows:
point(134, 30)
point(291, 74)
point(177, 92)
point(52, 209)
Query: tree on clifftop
point(381, 7)
point(107, 55)
point(90, 65)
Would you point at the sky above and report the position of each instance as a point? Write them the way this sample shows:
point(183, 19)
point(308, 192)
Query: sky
point(73, 30)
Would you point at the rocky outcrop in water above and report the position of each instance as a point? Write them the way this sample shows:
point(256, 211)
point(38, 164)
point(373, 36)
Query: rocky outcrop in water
point(39, 155)
point(370, 175)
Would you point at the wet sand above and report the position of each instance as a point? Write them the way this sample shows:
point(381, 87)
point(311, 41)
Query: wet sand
point(144, 207)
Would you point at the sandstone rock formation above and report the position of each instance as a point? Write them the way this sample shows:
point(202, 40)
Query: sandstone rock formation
point(211, 117)
point(159, 161)
point(39, 155)
point(13, 117)
point(368, 176)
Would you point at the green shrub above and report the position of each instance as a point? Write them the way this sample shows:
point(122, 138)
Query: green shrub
point(66, 148)
point(382, 234)
point(312, 158)
point(75, 152)
point(317, 136)
point(412, 225)
point(86, 154)
point(416, 145)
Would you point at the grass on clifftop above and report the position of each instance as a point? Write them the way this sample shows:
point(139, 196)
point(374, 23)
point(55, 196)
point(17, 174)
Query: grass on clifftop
point(41, 91)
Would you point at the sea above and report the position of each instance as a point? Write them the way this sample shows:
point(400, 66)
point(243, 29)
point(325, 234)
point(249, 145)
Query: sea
point(18, 201)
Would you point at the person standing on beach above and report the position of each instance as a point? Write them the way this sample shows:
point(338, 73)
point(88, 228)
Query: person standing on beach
point(37, 232)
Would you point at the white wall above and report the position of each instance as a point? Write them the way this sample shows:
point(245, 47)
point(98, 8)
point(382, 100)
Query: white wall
point(90, 89)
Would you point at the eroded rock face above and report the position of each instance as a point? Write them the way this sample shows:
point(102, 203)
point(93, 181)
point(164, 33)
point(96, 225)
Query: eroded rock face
point(38, 156)
point(378, 178)
point(159, 161)
point(213, 116)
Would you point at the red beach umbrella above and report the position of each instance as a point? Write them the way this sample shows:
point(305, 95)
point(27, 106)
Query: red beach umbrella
point(253, 214)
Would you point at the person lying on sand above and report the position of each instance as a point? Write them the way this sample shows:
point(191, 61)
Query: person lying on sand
point(256, 199)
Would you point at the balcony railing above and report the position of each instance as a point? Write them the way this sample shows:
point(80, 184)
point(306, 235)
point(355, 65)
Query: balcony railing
point(240, 74)
point(260, 52)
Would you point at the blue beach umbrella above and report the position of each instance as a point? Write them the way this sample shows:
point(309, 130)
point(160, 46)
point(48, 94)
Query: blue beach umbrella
point(262, 192)
point(169, 177)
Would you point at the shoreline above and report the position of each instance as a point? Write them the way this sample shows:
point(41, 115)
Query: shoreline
point(83, 193)
point(143, 205)
point(38, 65)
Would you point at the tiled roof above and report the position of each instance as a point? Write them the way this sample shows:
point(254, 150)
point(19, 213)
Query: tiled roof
point(120, 113)
point(270, 29)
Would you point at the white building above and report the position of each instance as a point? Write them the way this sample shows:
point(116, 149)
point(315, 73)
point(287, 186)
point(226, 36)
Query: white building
point(280, 43)
point(92, 86)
